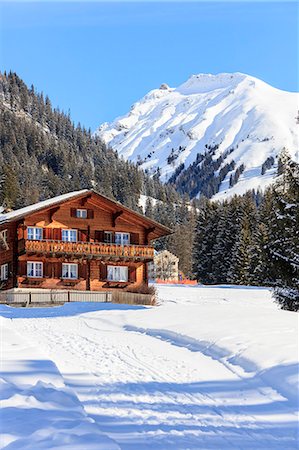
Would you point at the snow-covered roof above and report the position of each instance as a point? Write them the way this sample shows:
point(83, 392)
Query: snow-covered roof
point(22, 212)
point(7, 217)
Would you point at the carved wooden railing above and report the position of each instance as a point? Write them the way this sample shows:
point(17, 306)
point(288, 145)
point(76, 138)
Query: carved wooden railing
point(90, 248)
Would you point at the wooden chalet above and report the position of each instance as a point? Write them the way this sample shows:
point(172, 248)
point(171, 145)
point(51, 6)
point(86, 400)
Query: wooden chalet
point(81, 240)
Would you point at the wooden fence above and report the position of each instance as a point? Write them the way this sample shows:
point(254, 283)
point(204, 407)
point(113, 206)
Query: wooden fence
point(52, 297)
point(131, 298)
point(60, 297)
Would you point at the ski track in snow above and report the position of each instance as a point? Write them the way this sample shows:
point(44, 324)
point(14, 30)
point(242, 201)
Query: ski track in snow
point(153, 388)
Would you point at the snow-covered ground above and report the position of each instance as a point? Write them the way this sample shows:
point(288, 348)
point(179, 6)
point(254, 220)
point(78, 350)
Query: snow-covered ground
point(210, 368)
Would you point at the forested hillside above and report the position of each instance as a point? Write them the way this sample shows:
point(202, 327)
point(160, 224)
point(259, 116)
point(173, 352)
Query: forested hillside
point(43, 154)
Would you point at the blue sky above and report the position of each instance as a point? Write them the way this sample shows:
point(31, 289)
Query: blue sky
point(97, 58)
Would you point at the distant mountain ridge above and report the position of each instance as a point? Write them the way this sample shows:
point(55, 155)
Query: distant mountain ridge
point(215, 134)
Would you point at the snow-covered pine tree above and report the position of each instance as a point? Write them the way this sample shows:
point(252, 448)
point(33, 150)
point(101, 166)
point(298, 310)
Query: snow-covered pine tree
point(244, 251)
point(284, 225)
point(205, 236)
point(149, 210)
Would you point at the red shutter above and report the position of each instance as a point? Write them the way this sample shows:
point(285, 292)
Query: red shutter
point(57, 270)
point(132, 274)
point(103, 272)
point(22, 268)
point(57, 234)
point(47, 233)
point(99, 236)
point(134, 238)
point(47, 270)
point(82, 236)
point(73, 212)
point(82, 272)
point(90, 214)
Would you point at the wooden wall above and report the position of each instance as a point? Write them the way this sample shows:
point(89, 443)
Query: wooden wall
point(9, 256)
point(98, 278)
point(102, 221)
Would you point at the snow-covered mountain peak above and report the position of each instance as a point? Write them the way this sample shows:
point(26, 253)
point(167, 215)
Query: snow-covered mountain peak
point(227, 123)
point(203, 83)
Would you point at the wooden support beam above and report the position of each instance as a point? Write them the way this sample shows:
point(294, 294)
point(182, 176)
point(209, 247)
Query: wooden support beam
point(148, 231)
point(85, 200)
point(115, 216)
point(52, 211)
point(88, 276)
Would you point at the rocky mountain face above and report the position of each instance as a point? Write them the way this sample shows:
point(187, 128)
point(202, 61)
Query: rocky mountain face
point(218, 135)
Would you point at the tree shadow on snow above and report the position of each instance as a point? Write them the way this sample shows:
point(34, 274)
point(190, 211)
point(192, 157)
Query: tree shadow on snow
point(227, 414)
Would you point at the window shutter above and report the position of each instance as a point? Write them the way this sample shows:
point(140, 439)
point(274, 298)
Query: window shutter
point(132, 274)
point(82, 272)
point(103, 272)
point(57, 234)
point(82, 236)
point(73, 212)
point(22, 268)
point(47, 270)
point(57, 270)
point(47, 233)
point(90, 214)
point(99, 236)
point(134, 238)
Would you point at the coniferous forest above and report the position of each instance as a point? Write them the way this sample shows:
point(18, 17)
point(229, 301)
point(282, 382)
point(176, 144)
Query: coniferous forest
point(251, 239)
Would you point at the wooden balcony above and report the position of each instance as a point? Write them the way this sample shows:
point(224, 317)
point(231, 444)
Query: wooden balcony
point(90, 249)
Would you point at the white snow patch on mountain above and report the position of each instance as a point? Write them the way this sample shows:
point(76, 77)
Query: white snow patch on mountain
point(234, 111)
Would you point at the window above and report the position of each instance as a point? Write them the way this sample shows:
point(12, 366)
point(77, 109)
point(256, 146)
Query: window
point(70, 271)
point(34, 234)
point(69, 235)
point(34, 269)
point(4, 272)
point(3, 235)
point(108, 236)
point(122, 238)
point(81, 213)
point(117, 273)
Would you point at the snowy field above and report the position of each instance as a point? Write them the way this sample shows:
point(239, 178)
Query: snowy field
point(210, 368)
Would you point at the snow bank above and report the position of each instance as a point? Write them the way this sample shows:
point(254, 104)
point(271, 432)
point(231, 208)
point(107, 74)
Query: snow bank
point(210, 368)
point(37, 410)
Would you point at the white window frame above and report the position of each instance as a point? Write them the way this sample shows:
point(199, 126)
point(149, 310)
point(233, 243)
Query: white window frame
point(4, 272)
point(81, 213)
point(4, 234)
point(67, 271)
point(68, 232)
point(34, 234)
point(37, 269)
point(122, 240)
point(118, 273)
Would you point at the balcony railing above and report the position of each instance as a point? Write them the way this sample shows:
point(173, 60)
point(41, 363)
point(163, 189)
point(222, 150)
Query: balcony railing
point(97, 249)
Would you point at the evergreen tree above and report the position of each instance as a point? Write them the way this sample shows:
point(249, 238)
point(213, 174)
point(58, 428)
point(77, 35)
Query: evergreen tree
point(284, 243)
